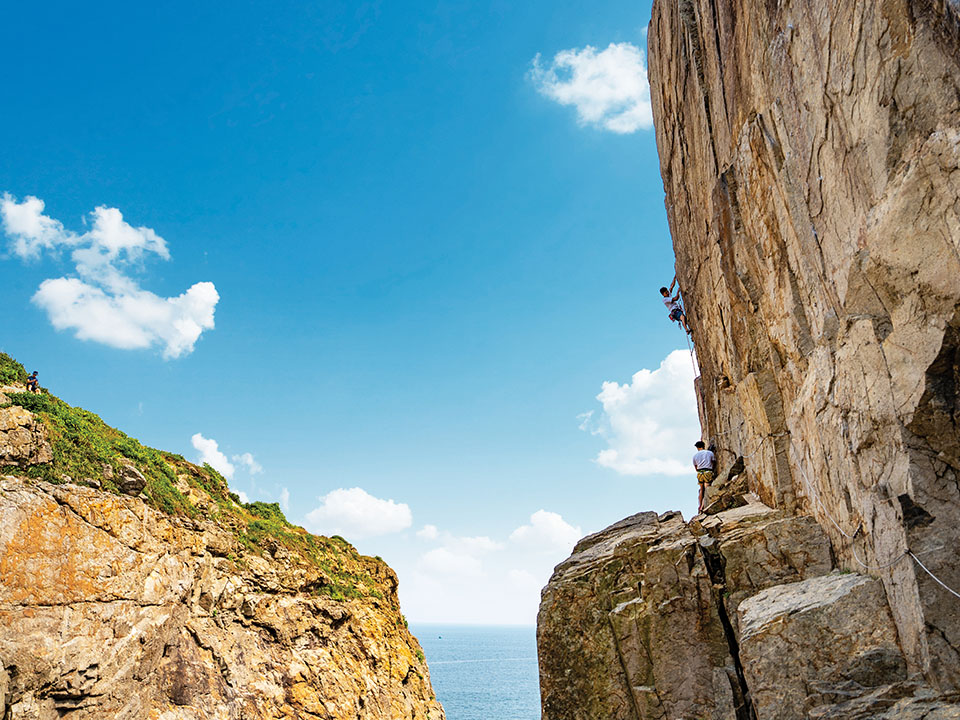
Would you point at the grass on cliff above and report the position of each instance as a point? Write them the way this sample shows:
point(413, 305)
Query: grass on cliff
point(85, 447)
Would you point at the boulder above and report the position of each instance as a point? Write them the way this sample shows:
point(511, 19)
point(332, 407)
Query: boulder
point(803, 643)
point(131, 481)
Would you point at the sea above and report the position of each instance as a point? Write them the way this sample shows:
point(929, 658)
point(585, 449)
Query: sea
point(483, 672)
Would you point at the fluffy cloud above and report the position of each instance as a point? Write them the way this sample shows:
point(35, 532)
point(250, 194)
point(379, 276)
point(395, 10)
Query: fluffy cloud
point(428, 532)
point(211, 455)
point(30, 230)
point(244, 498)
point(651, 423)
point(547, 532)
point(608, 88)
point(284, 500)
point(355, 513)
point(248, 461)
point(479, 579)
point(104, 303)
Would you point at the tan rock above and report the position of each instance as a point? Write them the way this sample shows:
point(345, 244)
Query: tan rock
point(23, 438)
point(805, 642)
point(110, 609)
point(811, 161)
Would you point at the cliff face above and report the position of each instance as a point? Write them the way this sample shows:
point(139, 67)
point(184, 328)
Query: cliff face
point(111, 608)
point(811, 160)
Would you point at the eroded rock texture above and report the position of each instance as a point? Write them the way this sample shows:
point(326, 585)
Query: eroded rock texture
point(110, 609)
point(23, 438)
point(741, 615)
point(810, 153)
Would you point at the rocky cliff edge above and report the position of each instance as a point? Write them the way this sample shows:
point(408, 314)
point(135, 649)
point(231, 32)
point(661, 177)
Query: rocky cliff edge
point(140, 588)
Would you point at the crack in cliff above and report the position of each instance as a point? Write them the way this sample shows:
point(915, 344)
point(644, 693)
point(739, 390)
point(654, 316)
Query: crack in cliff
point(715, 564)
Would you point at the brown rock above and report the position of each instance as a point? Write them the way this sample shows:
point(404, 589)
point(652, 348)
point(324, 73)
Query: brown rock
point(802, 644)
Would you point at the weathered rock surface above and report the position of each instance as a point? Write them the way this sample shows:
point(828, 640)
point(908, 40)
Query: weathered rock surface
point(802, 644)
point(735, 616)
point(810, 154)
point(111, 609)
point(23, 439)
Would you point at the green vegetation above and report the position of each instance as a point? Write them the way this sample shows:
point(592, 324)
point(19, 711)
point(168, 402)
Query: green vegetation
point(84, 446)
point(11, 371)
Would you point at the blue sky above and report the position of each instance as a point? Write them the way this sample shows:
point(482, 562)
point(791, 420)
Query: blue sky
point(426, 254)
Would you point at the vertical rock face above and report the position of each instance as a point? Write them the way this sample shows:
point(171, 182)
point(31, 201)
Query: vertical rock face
point(111, 609)
point(811, 159)
point(810, 153)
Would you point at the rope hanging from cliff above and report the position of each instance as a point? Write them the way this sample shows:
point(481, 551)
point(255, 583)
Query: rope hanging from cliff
point(812, 492)
point(693, 362)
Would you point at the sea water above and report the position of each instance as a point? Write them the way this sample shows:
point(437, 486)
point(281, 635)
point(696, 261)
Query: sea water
point(483, 672)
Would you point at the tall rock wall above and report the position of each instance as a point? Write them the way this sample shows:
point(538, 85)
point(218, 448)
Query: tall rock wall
point(810, 154)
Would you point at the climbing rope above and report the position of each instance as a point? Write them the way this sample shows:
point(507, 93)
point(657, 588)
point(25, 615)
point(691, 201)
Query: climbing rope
point(693, 362)
point(812, 492)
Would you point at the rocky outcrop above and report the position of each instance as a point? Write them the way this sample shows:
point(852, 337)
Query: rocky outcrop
point(811, 160)
point(112, 609)
point(741, 615)
point(23, 438)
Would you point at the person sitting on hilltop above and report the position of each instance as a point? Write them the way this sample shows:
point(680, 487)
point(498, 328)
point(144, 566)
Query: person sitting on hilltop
point(703, 462)
point(33, 385)
point(673, 305)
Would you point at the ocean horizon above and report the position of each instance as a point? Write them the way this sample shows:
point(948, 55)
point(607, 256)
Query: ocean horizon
point(483, 671)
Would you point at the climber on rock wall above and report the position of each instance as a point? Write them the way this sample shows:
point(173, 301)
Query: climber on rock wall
point(674, 310)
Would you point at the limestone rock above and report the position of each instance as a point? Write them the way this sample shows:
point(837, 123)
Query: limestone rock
point(810, 154)
point(110, 609)
point(23, 438)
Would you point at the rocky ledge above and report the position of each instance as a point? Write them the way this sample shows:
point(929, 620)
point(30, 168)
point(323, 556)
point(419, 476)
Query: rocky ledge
point(736, 616)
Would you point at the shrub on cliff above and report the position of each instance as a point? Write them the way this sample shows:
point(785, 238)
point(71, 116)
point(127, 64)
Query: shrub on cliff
point(11, 371)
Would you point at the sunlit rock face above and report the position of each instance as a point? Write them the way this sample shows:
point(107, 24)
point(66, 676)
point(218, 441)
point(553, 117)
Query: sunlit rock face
point(111, 609)
point(811, 160)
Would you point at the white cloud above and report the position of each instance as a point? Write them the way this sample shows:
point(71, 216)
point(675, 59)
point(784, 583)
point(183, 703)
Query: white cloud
point(608, 88)
point(547, 532)
point(285, 500)
point(354, 513)
point(210, 454)
point(31, 230)
point(246, 459)
point(651, 423)
point(443, 561)
point(428, 532)
point(244, 498)
point(104, 303)
point(444, 584)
